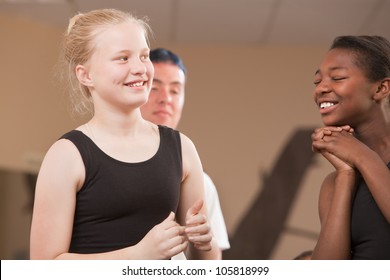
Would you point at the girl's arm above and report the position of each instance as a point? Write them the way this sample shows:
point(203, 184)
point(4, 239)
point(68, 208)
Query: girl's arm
point(377, 177)
point(336, 197)
point(192, 211)
point(370, 165)
point(335, 205)
point(60, 176)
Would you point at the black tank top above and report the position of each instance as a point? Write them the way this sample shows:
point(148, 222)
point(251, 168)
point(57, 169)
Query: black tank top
point(119, 201)
point(369, 228)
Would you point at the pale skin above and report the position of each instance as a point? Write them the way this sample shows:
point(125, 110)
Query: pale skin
point(362, 145)
point(119, 76)
point(166, 100)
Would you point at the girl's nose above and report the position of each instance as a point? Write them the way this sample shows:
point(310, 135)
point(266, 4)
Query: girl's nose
point(138, 67)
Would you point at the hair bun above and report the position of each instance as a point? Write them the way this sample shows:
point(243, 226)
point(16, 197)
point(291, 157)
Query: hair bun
point(72, 22)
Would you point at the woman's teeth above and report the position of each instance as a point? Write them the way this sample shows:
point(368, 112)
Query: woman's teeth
point(326, 105)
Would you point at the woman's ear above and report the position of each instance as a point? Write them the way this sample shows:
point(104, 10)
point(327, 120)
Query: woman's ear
point(383, 90)
point(83, 75)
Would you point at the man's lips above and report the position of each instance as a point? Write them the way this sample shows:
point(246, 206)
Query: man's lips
point(162, 113)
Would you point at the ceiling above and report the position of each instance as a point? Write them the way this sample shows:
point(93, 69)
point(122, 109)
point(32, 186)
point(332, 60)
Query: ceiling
point(264, 22)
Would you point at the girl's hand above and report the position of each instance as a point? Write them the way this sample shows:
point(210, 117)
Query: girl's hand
point(197, 228)
point(332, 143)
point(164, 240)
point(320, 133)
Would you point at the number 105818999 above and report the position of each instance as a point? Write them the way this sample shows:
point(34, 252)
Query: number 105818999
point(232, 270)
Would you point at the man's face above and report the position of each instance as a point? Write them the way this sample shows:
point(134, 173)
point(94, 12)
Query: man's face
point(166, 99)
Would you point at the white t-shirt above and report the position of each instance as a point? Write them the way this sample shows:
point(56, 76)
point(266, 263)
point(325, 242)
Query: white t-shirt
point(215, 215)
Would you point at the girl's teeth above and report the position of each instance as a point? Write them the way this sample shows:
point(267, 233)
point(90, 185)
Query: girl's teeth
point(136, 84)
point(326, 105)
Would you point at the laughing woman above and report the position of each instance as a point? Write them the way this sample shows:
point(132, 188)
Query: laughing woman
point(352, 88)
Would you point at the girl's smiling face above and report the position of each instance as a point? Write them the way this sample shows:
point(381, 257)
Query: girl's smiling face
point(119, 71)
point(342, 91)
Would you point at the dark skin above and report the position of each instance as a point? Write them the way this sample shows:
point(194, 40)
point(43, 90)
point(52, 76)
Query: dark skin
point(355, 139)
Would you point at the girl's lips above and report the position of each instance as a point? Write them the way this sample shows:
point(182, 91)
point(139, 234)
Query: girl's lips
point(140, 84)
point(136, 84)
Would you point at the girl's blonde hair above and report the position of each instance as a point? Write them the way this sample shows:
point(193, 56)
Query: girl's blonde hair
point(78, 48)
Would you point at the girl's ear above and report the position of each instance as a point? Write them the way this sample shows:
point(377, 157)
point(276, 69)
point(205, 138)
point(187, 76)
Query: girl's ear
point(383, 90)
point(83, 75)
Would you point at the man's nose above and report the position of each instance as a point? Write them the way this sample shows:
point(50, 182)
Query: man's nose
point(164, 96)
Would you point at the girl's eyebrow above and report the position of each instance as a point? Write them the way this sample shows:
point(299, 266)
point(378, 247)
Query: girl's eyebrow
point(331, 69)
point(337, 68)
point(131, 51)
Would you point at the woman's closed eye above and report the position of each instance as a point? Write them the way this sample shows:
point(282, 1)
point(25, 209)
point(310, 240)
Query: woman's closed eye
point(338, 78)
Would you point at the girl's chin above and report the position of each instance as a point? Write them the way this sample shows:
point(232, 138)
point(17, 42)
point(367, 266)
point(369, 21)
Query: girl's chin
point(330, 122)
